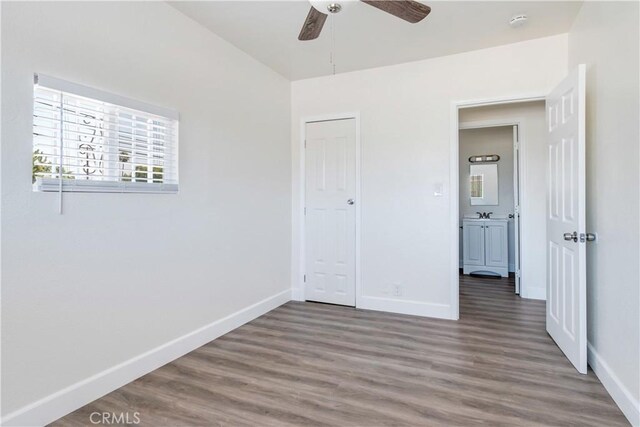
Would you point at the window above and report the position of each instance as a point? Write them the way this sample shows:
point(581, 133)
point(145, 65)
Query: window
point(88, 140)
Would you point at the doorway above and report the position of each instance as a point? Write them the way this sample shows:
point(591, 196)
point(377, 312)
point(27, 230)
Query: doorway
point(556, 167)
point(522, 126)
point(330, 215)
point(489, 200)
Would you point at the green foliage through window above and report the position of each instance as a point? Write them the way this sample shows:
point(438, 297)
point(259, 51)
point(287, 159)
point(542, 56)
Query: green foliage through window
point(42, 167)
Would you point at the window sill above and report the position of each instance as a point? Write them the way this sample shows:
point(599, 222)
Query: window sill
point(87, 186)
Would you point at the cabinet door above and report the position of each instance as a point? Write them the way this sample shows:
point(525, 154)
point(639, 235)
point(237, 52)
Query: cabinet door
point(473, 243)
point(496, 253)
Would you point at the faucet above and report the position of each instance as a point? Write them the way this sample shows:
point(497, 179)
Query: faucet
point(484, 215)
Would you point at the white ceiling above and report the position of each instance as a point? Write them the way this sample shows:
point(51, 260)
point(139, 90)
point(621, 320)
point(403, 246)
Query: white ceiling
point(366, 37)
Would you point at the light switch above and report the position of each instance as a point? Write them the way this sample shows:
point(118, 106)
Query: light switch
point(438, 189)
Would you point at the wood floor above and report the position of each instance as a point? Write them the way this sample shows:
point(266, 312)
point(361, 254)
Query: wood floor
point(316, 364)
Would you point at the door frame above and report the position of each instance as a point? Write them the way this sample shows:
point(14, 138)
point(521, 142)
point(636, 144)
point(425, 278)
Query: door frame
point(301, 201)
point(454, 168)
point(519, 123)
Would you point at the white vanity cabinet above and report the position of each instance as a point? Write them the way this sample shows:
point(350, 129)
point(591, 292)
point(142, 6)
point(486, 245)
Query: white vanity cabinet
point(485, 246)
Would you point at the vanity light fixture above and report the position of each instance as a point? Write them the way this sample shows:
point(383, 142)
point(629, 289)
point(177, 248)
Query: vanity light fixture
point(485, 158)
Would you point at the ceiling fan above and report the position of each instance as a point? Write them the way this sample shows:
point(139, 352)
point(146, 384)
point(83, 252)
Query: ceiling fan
point(409, 10)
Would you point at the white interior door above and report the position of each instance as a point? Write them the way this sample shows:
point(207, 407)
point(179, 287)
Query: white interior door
point(566, 254)
point(330, 189)
point(516, 207)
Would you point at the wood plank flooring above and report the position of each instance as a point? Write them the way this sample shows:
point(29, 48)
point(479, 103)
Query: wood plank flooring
point(314, 364)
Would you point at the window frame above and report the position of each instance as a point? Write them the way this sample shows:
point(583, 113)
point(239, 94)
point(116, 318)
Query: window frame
point(118, 185)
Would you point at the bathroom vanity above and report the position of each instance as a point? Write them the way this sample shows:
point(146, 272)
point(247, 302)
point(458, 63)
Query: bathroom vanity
point(485, 246)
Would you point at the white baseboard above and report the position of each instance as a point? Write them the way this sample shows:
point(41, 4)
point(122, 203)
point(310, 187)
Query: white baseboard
point(296, 294)
point(442, 311)
point(67, 400)
point(629, 406)
point(534, 293)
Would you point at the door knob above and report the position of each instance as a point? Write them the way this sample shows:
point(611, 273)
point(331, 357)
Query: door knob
point(571, 236)
point(587, 237)
point(350, 201)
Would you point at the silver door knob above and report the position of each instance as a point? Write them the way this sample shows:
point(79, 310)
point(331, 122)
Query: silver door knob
point(350, 201)
point(587, 237)
point(571, 236)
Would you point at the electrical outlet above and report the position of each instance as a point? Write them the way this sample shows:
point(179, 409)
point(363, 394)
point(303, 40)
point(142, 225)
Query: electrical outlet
point(397, 290)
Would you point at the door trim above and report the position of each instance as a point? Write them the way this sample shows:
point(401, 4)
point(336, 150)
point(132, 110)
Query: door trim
point(519, 123)
point(454, 167)
point(299, 285)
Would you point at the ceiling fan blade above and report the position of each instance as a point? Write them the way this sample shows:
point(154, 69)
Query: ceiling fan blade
point(409, 10)
point(312, 25)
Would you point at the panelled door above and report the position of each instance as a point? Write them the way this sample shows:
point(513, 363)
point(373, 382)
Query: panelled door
point(330, 189)
point(566, 236)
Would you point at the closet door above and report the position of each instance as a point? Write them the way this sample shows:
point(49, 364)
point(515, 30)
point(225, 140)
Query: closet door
point(330, 219)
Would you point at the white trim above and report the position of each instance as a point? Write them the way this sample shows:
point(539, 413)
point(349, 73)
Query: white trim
point(499, 100)
point(455, 185)
point(296, 294)
point(93, 186)
point(60, 403)
point(89, 92)
point(454, 209)
point(629, 406)
point(416, 308)
point(490, 123)
point(298, 291)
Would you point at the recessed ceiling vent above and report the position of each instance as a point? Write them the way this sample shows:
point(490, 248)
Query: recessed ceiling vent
point(518, 20)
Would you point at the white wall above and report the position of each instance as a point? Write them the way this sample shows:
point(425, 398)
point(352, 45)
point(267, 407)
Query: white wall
point(605, 38)
point(405, 128)
point(489, 140)
point(533, 150)
point(119, 274)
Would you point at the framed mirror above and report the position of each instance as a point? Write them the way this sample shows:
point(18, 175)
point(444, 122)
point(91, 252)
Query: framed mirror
point(483, 184)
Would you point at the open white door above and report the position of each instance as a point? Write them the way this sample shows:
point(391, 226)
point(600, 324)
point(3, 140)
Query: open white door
point(566, 235)
point(516, 207)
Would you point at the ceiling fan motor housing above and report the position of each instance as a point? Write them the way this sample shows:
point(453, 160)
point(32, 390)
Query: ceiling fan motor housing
point(327, 6)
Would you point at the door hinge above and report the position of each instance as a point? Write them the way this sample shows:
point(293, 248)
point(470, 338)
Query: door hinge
point(304, 278)
point(305, 143)
point(305, 210)
point(517, 209)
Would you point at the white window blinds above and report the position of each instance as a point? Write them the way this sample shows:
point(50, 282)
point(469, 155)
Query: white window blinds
point(88, 140)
